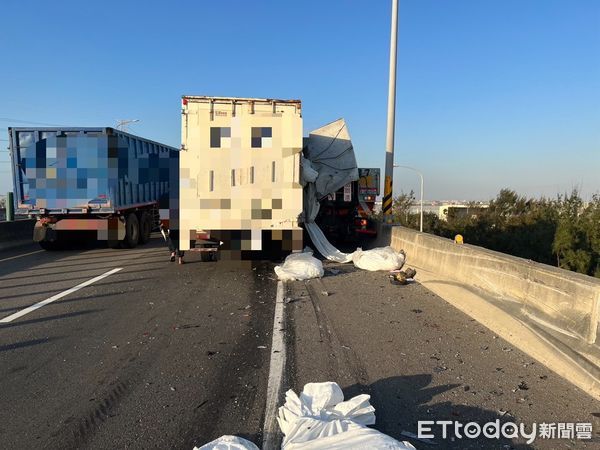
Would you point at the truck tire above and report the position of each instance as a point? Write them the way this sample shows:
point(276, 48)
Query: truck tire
point(208, 256)
point(49, 245)
point(114, 244)
point(145, 227)
point(132, 231)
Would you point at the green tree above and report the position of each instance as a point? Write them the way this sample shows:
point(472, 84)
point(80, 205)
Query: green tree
point(401, 209)
point(591, 225)
point(571, 242)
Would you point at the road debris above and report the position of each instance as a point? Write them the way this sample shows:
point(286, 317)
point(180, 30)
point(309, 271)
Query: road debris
point(300, 266)
point(320, 419)
point(382, 258)
point(228, 443)
point(410, 435)
point(402, 277)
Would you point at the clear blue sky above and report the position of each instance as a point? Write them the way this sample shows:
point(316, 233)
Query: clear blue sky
point(491, 94)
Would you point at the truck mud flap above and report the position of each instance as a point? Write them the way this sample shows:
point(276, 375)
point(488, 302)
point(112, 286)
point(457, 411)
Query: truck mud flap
point(39, 232)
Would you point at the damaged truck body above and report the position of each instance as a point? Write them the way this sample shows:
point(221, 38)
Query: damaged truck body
point(248, 179)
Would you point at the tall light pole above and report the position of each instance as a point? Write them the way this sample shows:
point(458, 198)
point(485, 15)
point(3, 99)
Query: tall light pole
point(391, 120)
point(421, 176)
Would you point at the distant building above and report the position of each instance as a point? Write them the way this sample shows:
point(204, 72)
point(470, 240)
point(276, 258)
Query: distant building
point(451, 211)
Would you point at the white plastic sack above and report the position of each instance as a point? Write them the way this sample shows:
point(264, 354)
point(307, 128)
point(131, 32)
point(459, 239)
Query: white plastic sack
point(381, 258)
point(228, 443)
point(324, 246)
point(300, 266)
point(320, 419)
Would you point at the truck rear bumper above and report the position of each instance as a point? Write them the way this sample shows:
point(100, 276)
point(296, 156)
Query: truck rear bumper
point(366, 232)
point(249, 245)
point(111, 229)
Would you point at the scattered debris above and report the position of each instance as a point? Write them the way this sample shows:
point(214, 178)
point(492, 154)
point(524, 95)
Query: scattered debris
point(300, 266)
point(383, 258)
point(402, 277)
point(417, 311)
point(439, 369)
point(228, 443)
point(262, 346)
point(523, 386)
point(320, 419)
point(410, 435)
point(325, 293)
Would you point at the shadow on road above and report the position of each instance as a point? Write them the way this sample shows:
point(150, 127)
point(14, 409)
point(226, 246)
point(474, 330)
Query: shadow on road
point(19, 323)
point(4, 348)
point(400, 402)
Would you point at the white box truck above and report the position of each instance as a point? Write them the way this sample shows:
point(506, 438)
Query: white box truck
point(239, 185)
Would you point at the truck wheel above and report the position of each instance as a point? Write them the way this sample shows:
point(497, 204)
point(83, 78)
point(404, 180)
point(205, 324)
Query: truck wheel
point(49, 245)
point(132, 231)
point(208, 256)
point(145, 227)
point(114, 244)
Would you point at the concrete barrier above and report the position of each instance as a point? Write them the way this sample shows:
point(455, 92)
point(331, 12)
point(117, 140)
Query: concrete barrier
point(16, 233)
point(555, 299)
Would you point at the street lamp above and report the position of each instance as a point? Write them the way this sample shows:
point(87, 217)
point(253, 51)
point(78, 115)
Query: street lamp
point(421, 176)
point(123, 124)
point(386, 204)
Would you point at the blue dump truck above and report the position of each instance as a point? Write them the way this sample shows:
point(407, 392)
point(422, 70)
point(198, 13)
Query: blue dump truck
point(92, 183)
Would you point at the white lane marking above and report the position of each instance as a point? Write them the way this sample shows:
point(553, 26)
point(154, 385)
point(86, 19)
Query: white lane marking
point(276, 366)
point(57, 296)
point(20, 256)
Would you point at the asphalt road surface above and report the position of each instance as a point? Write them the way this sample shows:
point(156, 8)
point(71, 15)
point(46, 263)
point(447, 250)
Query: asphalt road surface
point(422, 359)
point(155, 355)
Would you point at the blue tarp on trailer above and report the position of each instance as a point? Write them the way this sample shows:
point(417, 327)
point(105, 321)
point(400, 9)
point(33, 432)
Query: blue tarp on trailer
point(74, 170)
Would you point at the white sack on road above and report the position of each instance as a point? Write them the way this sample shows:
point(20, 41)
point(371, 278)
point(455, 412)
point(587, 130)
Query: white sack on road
point(228, 443)
point(300, 266)
point(320, 419)
point(382, 258)
point(324, 246)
